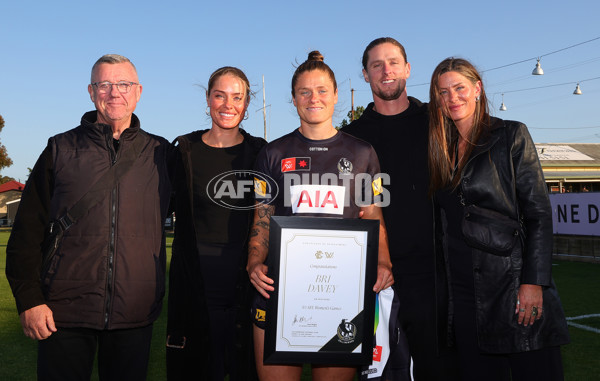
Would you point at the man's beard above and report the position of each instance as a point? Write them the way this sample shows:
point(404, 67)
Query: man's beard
point(393, 94)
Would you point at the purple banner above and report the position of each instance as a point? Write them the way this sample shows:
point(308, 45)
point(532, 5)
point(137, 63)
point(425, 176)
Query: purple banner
point(576, 213)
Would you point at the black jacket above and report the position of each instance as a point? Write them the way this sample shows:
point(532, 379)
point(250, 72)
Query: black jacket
point(188, 310)
point(510, 248)
point(109, 270)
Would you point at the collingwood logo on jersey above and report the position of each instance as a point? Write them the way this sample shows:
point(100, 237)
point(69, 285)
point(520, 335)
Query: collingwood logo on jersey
point(344, 166)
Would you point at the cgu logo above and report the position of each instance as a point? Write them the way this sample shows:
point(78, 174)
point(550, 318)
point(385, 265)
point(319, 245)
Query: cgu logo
point(328, 199)
point(377, 353)
point(235, 189)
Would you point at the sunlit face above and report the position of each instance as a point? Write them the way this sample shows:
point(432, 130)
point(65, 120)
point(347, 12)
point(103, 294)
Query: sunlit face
point(227, 101)
point(387, 71)
point(315, 98)
point(114, 107)
point(458, 97)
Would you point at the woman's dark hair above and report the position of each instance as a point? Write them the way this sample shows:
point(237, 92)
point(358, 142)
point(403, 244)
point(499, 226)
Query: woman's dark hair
point(313, 62)
point(231, 71)
point(443, 134)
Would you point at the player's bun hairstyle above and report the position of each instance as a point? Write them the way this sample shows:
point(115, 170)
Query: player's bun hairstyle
point(315, 61)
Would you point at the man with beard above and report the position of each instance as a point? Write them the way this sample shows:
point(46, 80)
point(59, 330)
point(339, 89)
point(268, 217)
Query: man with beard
point(396, 126)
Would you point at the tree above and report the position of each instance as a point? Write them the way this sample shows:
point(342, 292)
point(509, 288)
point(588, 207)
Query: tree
point(5, 161)
point(357, 113)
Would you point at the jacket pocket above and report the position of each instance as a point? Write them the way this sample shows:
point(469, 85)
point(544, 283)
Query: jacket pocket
point(490, 231)
point(53, 238)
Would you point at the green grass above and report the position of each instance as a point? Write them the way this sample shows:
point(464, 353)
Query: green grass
point(579, 288)
point(578, 284)
point(18, 353)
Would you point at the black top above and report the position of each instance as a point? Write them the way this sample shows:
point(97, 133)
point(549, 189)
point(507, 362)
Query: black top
point(401, 145)
point(214, 222)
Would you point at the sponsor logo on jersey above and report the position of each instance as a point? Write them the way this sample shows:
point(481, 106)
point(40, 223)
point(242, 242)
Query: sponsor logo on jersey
point(346, 332)
point(260, 315)
point(295, 164)
point(327, 199)
point(229, 188)
point(344, 166)
point(260, 187)
point(377, 352)
point(377, 186)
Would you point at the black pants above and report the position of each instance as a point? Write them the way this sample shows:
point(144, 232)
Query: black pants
point(541, 365)
point(208, 307)
point(68, 354)
point(417, 318)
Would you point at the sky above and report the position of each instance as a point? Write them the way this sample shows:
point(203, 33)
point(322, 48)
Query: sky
point(48, 48)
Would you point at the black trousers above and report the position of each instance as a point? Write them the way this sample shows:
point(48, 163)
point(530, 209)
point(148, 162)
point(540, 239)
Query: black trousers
point(208, 306)
point(68, 354)
point(540, 365)
point(417, 318)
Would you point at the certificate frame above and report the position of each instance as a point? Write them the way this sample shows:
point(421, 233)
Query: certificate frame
point(339, 339)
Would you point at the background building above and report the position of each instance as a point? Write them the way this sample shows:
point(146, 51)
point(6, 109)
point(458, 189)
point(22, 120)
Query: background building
point(570, 167)
point(572, 172)
point(9, 192)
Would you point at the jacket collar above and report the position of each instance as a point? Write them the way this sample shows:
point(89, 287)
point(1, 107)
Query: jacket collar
point(490, 138)
point(89, 120)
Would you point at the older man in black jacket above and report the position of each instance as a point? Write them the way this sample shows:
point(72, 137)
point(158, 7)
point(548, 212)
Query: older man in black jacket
point(103, 287)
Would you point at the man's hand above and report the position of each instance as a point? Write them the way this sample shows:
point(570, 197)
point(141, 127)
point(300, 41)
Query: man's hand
point(384, 277)
point(37, 322)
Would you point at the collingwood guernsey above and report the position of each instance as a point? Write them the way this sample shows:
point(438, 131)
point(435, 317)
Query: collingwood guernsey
point(319, 178)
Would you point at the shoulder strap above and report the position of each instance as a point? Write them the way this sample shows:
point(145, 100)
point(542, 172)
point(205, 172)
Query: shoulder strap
point(107, 181)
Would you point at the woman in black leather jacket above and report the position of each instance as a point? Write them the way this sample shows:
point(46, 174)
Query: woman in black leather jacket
point(498, 303)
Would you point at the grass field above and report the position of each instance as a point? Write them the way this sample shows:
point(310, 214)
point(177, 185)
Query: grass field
point(578, 285)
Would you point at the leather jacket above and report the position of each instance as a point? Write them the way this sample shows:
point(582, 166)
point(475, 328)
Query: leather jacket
point(504, 181)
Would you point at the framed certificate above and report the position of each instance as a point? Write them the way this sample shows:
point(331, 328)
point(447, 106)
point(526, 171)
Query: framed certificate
point(323, 306)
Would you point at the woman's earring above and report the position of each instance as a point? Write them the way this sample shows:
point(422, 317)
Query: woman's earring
point(246, 115)
point(477, 99)
point(207, 110)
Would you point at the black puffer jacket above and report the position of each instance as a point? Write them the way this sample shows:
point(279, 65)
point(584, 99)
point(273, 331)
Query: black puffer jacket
point(503, 176)
point(109, 272)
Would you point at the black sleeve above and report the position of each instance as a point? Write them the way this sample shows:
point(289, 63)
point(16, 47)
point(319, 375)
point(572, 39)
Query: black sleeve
point(173, 160)
point(535, 208)
point(23, 251)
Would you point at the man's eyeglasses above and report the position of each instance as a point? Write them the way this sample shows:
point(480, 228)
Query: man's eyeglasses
point(106, 87)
